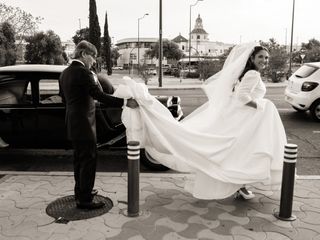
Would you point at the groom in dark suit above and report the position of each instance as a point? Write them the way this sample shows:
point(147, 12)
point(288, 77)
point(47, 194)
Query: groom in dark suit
point(79, 89)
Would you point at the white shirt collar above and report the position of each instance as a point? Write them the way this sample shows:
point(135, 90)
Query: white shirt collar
point(77, 60)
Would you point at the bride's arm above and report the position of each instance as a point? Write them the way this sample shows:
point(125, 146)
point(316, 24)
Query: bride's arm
point(245, 88)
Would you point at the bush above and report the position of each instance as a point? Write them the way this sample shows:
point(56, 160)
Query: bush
point(193, 74)
point(209, 68)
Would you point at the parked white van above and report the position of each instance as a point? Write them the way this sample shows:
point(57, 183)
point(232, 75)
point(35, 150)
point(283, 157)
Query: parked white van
point(303, 90)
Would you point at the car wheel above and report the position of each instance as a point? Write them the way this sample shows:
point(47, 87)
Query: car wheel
point(151, 163)
point(315, 110)
point(298, 110)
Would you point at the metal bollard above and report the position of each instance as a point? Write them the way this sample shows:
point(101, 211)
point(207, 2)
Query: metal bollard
point(287, 187)
point(133, 178)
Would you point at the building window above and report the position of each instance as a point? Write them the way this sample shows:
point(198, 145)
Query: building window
point(198, 36)
point(209, 50)
point(182, 47)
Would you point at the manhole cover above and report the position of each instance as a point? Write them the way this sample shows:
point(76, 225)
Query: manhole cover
point(66, 208)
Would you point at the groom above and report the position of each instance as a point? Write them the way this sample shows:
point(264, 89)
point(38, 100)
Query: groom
point(79, 89)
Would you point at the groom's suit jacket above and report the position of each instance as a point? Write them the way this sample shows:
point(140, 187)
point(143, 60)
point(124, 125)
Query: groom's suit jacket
point(79, 89)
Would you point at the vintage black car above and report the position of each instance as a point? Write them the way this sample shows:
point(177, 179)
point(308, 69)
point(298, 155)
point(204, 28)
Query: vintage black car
point(32, 114)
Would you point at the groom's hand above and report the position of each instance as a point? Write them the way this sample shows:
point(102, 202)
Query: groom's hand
point(131, 103)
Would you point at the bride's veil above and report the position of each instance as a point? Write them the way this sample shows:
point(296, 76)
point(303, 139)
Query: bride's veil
point(219, 86)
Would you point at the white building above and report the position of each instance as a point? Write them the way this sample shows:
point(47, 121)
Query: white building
point(200, 47)
point(128, 50)
point(69, 48)
point(200, 44)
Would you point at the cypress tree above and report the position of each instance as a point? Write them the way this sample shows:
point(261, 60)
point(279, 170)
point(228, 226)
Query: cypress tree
point(107, 47)
point(94, 28)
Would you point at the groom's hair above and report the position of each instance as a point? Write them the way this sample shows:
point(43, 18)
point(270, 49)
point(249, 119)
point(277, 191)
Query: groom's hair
point(85, 47)
point(250, 65)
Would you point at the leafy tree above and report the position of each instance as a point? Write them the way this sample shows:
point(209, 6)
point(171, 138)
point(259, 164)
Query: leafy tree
point(7, 45)
point(277, 60)
point(312, 51)
point(170, 50)
point(106, 53)
point(44, 48)
point(23, 23)
point(94, 27)
point(82, 34)
point(312, 44)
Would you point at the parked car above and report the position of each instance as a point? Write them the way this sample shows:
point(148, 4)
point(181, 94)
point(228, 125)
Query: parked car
point(117, 68)
point(151, 71)
point(303, 90)
point(32, 114)
point(167, 71)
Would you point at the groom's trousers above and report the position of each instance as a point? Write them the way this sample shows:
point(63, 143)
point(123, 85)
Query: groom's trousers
point(84, 164)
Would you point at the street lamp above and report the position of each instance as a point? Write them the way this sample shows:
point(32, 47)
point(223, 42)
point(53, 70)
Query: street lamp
point(191, 5)
point(146, 14)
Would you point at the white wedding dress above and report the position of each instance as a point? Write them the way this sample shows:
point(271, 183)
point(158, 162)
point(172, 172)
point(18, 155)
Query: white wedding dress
point(224, 143)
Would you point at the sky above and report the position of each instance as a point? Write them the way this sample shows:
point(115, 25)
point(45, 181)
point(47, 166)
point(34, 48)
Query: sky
point(228, 21)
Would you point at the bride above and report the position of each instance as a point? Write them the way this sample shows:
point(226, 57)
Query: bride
point(235, 139)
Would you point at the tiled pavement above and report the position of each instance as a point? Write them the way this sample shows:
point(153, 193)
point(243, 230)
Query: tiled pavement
point(167, 211)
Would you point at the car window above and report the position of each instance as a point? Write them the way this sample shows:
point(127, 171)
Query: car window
point(49, 91)
point(305, 71)
point(13, 90)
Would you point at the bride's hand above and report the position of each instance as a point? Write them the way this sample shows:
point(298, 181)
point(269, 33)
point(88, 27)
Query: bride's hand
point(132, 103)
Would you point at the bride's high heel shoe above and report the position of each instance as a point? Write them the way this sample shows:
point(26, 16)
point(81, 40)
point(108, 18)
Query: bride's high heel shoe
point(245, 193)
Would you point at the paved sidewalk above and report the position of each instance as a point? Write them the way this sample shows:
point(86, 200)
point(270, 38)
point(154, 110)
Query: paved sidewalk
point(168, 212)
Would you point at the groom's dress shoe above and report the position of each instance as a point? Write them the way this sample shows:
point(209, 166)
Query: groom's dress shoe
point(90, 205)
point(94, 192)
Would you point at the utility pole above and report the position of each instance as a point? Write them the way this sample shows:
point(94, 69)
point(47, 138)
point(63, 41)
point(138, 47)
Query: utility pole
point(146, 14)
point(290, 54)
point(160, 43)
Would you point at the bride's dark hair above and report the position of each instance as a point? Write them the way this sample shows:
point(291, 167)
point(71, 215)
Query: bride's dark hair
point(249, 64)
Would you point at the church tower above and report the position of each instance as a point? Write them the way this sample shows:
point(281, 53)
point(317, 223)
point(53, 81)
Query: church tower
point(199, 38)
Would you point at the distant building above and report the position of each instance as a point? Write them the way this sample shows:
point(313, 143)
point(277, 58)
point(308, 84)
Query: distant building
point(69, 47)
point(21, 50)
point(182, 43)
point(200, 44)
point(200, 47)
point(128, 50)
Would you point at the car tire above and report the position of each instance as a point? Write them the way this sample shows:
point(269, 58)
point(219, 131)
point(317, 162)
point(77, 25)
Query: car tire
point(315, 110)
point(298, 110)
point(151, 163)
